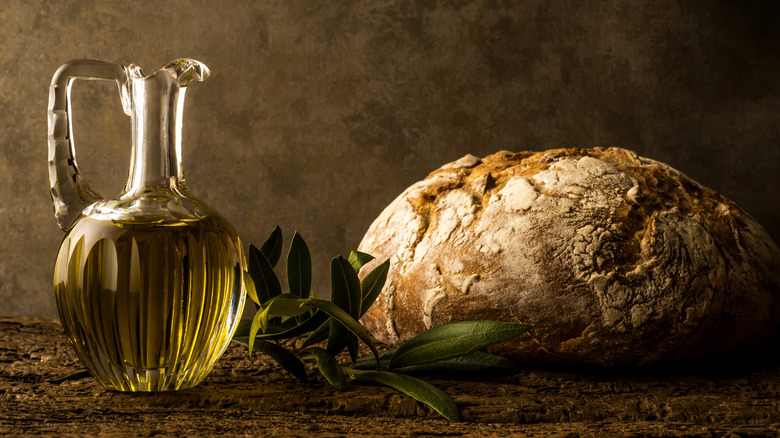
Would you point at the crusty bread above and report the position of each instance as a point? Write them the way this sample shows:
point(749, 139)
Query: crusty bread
point(618, 260)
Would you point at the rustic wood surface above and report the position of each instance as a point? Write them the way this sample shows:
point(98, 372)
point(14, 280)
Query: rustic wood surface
point(243, 398)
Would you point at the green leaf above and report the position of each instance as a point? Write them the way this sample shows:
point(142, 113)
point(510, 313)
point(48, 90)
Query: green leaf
point(318, 335)
point(337, 337)
point(327, 364)
point(455, 339)
point(368, 362)
point(281, 305)
point(357, 259)
point(284, 357)
point(272, 247)
point(345, 287)
point(285, 305)
point(419, 390)
point(292, 322)
point(474, 364)
point(372, 285)
point(346, 294)
point(257, 324)
point(274, 332)
point(78, 375)
point(299, 267)
point(337, 314)
point(352, 347)
point(266, 283)
point(251, 291)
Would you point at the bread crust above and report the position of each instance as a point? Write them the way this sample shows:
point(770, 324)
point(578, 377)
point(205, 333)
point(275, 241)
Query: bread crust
point(616, 259)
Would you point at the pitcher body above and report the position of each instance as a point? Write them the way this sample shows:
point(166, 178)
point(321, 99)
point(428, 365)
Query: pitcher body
point(148, 283)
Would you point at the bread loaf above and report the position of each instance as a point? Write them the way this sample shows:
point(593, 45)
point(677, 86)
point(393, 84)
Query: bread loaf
point(616, 259)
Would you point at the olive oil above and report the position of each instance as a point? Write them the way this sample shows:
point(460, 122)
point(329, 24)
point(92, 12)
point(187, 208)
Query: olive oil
point(150, 306)
point(148, 283)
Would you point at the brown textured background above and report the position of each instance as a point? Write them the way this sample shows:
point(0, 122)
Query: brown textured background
point(319, 113)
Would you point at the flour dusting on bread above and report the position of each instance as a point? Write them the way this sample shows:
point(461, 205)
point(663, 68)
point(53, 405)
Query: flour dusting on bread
point(616, 259)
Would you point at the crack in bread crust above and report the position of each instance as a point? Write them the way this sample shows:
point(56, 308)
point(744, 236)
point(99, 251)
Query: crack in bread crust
point(616, 259)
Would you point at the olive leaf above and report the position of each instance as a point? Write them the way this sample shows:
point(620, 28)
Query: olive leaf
point(284, 357)
point(299, 267)
point(469, 365)
point(318, 335)
point(352, 347)
point(372, 285)
point(454, 339)
point(357, 259)
point(272, 247)
point(266, 283)
point(368, 362)
point(339, 315)
point(251, 291)
point(345, 287)
point(287, 305)
point(327, 365)
point(418, 389)
point(346, 294)
point(274, 332)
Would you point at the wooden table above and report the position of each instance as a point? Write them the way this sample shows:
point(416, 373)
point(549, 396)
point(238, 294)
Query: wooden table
point(256, 398)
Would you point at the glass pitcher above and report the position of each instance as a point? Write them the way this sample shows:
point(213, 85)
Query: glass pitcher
point(148, 283)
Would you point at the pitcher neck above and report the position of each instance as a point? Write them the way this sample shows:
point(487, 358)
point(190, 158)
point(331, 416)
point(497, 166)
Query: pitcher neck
point(156, 162)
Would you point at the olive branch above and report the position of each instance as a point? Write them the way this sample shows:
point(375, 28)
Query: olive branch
point(451, 349)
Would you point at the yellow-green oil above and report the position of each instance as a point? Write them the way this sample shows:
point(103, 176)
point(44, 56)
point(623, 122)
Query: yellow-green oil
point(150, 306)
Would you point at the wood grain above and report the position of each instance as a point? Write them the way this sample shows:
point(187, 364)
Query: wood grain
point(243, 398)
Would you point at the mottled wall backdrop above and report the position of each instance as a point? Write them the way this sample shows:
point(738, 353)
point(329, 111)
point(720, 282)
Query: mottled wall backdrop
point(319, 113)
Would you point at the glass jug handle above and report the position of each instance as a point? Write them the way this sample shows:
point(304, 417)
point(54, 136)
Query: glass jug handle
point(70, 193)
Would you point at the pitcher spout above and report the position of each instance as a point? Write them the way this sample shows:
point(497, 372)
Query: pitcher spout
point(186, 70)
